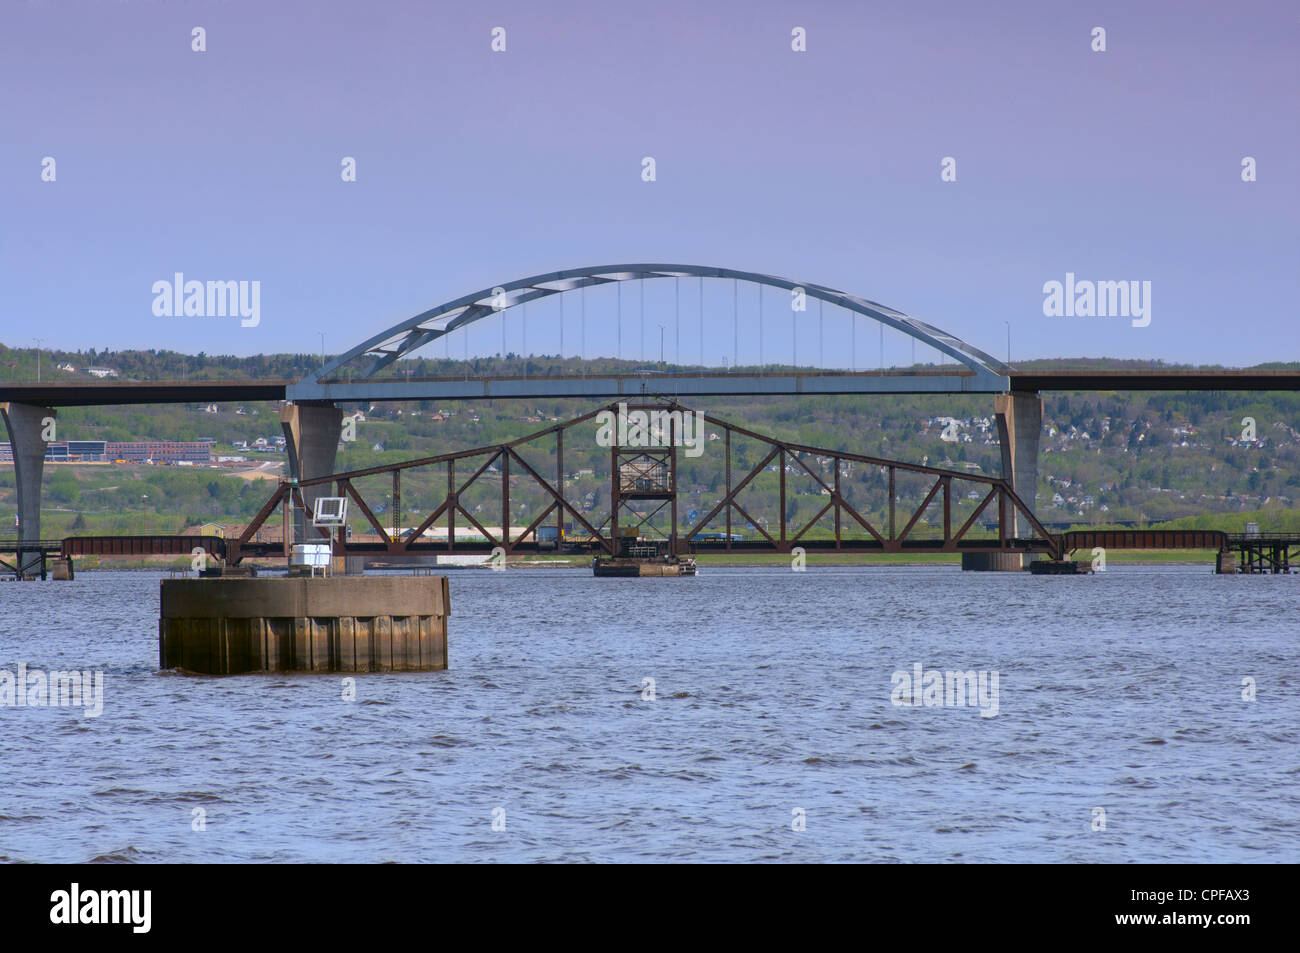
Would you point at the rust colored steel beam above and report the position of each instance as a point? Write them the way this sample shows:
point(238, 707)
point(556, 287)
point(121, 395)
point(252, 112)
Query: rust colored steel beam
point(1146, 539)
point(558, 498)
point(141, 545)
point(730, 498)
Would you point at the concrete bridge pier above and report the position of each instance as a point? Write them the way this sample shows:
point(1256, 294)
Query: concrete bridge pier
point(28, 425)
point(311, 436)
point(1020, 422)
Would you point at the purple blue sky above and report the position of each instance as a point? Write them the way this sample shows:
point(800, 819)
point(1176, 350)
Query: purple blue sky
point(475, 167)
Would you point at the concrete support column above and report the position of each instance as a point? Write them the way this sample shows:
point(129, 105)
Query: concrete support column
point(1020, 420)
point(28, 426)
point(311, 435)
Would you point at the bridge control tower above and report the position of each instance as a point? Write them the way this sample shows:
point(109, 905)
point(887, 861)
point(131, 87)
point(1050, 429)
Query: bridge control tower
point(643, 481)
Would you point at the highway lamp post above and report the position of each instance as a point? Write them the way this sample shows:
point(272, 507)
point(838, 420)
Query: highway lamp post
point(1008, 324)
point(39, 342)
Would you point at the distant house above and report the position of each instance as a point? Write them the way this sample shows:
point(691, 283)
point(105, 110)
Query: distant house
point(101, 372)
point(66, 367)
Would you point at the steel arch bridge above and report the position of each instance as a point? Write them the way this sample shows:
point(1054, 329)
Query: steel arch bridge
point(357, 373)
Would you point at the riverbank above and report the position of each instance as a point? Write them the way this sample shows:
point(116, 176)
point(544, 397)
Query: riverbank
point(1118, 557)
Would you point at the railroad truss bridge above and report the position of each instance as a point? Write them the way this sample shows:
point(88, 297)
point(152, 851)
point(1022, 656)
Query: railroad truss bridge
point(859, 504)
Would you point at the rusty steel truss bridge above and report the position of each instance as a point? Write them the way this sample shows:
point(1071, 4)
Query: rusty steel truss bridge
point(957, 512)
point(644, 484)
point(643, 503)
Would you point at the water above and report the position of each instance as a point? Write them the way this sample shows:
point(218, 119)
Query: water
point(1119, 691)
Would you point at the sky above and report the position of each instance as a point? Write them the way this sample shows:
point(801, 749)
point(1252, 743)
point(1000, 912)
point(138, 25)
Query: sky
point(475, 167)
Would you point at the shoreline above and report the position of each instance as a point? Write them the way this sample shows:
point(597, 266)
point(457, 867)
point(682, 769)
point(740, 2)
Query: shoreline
point(748, 561)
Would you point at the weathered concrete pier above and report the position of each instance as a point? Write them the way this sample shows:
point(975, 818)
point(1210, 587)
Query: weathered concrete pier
point(235, 626)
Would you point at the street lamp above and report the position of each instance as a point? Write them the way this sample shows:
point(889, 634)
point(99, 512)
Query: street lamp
point(39, 342)
point(1008, 324)
point(322, 347)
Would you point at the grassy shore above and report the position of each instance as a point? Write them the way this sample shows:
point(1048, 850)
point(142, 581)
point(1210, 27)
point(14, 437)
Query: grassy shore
point(1116, 557)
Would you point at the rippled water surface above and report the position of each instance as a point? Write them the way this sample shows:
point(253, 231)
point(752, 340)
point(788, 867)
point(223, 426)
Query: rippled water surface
point(1119, 691)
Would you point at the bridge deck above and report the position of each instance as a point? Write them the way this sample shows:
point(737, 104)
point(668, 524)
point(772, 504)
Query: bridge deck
point(678, 383)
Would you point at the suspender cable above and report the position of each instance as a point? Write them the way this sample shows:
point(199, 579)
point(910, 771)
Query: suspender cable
point(677, 332)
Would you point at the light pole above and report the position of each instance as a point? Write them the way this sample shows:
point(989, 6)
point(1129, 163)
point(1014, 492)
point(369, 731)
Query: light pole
point(661, 345)
point(39, 342)
point(1008, 324)
point(322, 347)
